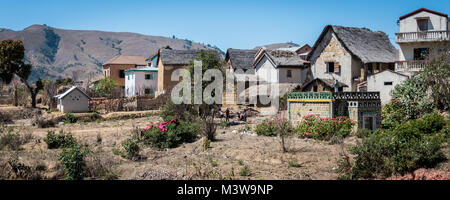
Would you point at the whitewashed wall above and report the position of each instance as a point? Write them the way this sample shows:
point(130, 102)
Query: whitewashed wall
point(377, 81)
point(74, 102)
point(437, 23)
point(137, 83)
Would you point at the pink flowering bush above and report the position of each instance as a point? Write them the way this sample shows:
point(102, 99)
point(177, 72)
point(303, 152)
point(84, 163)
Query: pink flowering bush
point(170, 134)
point(321, 128)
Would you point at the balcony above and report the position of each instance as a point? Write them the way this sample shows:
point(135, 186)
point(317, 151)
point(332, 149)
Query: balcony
point(409, 66)
point(426, 36)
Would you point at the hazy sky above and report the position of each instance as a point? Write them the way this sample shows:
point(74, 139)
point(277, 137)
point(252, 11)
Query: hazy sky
point(227, 24)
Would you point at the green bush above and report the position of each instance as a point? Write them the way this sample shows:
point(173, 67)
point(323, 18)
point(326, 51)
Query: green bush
point(172, 135)
point(266, 128)
point(245, 171)
point(131, 148)
point(61, 140)
point(11, 141)
point(363, 133)
point(70, 118)
point(73, 162)
point(393, 114)
point(411, 145)
point(325, 128)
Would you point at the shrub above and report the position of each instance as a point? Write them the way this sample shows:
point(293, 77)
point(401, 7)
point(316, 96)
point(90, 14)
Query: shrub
point(245, 171)
point(11, 141)
point(266, 128)
point(363, 133)
point(70, 118)
point(131, 149)
point(61, 140)
point(73, 162)
point(402, 150)
point(325, 128)
point(223, 124)
point(170, 134)
point(393, 114)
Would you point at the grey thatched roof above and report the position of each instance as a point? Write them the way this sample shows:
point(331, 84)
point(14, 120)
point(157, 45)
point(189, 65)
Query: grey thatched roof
point(369, 46)
point(181, 57)
point(241, 58)
point(282, 58)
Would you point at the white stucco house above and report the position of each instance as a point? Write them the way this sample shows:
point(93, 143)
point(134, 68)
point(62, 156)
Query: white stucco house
point(279, 66)
point(73, 100)
point(421, 32)
point(384, 82)
point(141, 81)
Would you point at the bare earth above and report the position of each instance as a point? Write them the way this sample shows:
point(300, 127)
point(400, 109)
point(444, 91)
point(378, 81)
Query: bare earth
point(309, 159)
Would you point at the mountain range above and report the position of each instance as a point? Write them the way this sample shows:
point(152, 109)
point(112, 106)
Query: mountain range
point(59, 53)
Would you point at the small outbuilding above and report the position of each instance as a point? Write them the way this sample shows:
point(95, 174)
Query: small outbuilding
point(73, 100)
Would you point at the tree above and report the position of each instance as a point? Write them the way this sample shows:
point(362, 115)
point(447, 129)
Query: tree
point(105, 87)
point(12, 53)
point(436, 80)
point(210, 60)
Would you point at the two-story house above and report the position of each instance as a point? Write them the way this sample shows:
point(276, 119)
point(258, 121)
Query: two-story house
point(343, 57)
point(167, 61)
point(116, 66)
point(141, 81)
point(421, 32)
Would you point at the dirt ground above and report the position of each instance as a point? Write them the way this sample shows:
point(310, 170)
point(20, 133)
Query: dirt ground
point(306, 159)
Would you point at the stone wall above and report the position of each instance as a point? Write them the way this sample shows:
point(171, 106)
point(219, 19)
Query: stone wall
point(127, 104)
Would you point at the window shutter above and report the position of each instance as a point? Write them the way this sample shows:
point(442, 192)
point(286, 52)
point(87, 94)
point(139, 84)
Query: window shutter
point(337, 68)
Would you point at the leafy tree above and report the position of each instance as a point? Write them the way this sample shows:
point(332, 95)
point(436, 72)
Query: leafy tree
point(414, 97)
point(210, 60)
point(105, 87)
point(436, 79)
point(12, 53)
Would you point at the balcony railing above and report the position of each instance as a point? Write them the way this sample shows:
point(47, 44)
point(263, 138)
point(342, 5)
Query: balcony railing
point(414, 65)
point(426, 36)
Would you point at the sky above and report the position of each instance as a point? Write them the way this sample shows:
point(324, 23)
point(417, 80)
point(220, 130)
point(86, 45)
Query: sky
point(226, 24)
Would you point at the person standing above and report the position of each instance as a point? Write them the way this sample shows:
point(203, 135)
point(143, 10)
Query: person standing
point(227, 114)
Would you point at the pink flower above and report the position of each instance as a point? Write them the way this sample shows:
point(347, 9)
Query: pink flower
point(148, 127)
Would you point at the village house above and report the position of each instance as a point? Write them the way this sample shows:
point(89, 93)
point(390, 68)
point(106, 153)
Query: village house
point(384, 82)
point(116, 66)
point(73, 100)
point(278, 66)
point(421, 32)
point(167, 61)
point(302, 51)
point(239, 62)
point(141, 81)
point(345, 56)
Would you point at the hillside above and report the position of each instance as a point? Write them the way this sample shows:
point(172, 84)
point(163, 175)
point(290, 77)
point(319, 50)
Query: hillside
point(57, 53)
point(279, 45)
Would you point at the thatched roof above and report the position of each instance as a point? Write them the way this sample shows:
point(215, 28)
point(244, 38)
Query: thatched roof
point(180, 57)
point(241, 58)
point(368, 46)
point(125, 60)
point(281, 58)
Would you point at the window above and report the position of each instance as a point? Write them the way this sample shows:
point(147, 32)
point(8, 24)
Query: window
point(420, 53)
point(289, 73)
point(149, 76)
point(422, 24)
point(315, 88)
point(388, 83)
point(128, 76)
point(121, 73)
point(330, 67)
point(377, 67)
